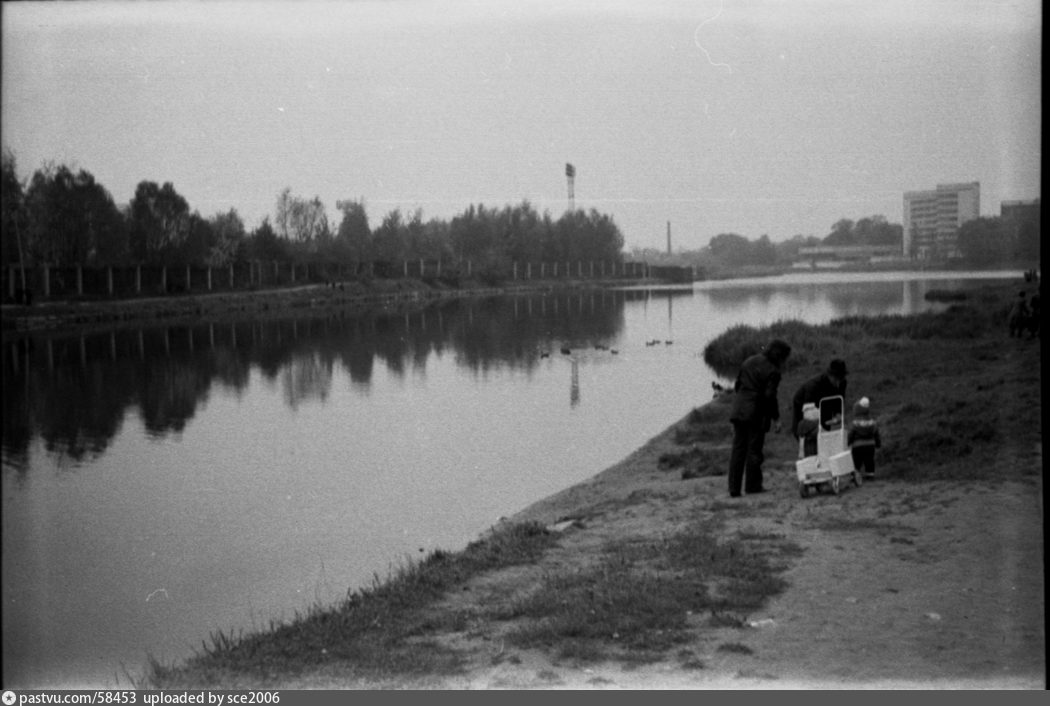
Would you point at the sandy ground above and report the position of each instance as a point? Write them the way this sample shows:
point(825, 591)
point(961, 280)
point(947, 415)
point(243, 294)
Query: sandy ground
point(910, 585)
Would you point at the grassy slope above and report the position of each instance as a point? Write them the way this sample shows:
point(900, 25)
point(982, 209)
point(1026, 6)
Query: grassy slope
point(955, 396)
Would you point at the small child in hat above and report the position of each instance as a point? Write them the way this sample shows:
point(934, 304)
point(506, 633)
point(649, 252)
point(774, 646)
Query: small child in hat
point(863, 437)
point(807, 430)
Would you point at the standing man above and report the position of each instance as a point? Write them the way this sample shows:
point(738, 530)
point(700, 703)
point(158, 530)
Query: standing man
point(1018, 317)
point(830, 383)
point(755, 409)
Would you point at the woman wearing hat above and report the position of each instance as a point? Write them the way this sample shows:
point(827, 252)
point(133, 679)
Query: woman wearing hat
point(829, 383)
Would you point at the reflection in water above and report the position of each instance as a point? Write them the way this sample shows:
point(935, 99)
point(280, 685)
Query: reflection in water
point(841, 296)
point(74, 391)
point(306, 376)
point(574, 384)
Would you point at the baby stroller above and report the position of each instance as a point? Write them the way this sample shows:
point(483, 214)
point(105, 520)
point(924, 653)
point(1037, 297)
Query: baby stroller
point(833, 460)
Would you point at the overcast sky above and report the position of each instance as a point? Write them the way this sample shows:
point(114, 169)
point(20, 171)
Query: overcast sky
point(759, 117)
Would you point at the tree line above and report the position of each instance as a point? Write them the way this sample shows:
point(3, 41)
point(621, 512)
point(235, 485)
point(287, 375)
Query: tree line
point(65, 217)
point(732, 251)
point(986, 241)
point(997, 240)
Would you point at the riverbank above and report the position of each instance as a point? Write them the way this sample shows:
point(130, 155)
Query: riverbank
point(649, 576)
point(347, 296)
point(359, 295)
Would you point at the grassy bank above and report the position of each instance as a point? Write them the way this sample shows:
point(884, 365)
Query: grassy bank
point(951, 389)
point(957, 399)
point(343, 297)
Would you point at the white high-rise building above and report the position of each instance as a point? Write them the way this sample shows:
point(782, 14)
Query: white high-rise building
point(932, 218)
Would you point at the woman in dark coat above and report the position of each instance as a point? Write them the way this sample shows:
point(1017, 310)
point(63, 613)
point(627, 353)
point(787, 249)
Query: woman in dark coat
point(830, 383)
point(755, 409)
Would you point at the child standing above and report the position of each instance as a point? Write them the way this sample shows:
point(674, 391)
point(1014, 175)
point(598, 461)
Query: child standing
point(863, 437)
point(807, 430)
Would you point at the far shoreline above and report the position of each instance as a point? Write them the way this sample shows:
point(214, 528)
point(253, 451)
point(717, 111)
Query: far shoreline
point(377, 295)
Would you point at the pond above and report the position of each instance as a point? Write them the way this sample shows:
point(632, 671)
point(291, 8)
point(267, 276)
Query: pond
point(165, 482)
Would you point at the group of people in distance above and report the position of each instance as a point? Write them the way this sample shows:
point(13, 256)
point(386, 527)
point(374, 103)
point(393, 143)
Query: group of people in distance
point(755, 411)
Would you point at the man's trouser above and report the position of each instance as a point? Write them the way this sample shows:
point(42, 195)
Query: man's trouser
point(746, 458)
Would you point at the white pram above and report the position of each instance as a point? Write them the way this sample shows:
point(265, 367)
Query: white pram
point(833, 459)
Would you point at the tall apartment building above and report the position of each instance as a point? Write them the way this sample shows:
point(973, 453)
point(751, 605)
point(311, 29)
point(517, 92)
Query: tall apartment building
point(932, 218)
point(1020, 211)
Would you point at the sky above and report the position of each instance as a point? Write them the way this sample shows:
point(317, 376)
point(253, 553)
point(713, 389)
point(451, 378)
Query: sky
point(760, 117)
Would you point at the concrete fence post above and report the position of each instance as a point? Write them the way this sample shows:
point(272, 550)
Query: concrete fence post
point(109, 280)
point(138, 279)
point(164, 278)
point(80, 281)
point(47, 281)
point(188, 284)
point(209, 278)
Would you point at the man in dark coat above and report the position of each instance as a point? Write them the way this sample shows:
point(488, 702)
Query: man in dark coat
point(755, 408)
point(830, 383)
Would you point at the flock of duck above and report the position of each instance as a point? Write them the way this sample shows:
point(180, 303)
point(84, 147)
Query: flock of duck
point(565, 350)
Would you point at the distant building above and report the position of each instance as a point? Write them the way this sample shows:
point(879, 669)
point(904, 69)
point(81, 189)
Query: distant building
point(1020, 211)
point(1021, 222)
point(932, 219)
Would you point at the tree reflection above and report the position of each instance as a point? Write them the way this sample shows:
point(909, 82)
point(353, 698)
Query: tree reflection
point(306, 376)
point(170, 394)
point(74, 392)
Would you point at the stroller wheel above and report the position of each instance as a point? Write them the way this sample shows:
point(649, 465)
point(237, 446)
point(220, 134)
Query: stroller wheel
point(857, 478)
point(835, 485)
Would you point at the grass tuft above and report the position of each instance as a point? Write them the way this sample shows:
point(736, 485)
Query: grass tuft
point(736, 648)
point(639, 595)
